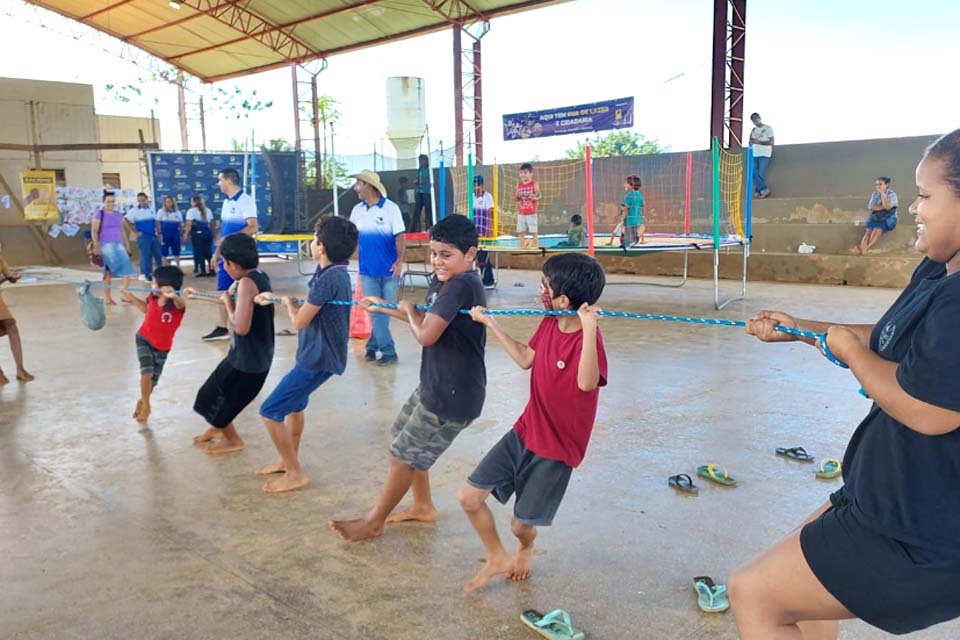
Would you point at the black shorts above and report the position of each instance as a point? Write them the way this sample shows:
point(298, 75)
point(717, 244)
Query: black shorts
point(897, 587)
point(151, 359)
point(538, 482)
point(226, 393)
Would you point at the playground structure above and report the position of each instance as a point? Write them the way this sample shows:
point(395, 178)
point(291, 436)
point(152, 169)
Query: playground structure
point(694, 201)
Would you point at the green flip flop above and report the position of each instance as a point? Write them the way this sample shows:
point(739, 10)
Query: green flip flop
point(555, 625)
point(711, 597)
point(712, 472)
point(829, 469)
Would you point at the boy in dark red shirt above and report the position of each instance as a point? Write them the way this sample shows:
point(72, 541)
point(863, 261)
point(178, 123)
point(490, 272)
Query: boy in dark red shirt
point(535, 459)
point(163, 309)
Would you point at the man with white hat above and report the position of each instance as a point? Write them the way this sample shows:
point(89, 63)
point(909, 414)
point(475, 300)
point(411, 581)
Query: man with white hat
point(382, 245)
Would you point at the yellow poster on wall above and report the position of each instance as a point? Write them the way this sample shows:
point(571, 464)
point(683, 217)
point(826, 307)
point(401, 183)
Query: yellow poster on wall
point(39, 195)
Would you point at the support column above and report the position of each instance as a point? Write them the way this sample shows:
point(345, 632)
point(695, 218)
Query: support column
point(296, 108)
point(458, 94)
point(315, 120)
point(182, 101)
point(738, 35)
point(719, 70)
point(478, 105)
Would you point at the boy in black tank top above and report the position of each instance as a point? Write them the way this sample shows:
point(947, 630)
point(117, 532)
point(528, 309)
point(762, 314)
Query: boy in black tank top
point(240, 376)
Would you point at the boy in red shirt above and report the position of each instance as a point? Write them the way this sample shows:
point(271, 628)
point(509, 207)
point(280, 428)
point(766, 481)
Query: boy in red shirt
point(164, 309)
point(535, 459)
point(528, 194)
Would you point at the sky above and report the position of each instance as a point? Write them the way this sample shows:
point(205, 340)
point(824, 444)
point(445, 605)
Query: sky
point(816, 70)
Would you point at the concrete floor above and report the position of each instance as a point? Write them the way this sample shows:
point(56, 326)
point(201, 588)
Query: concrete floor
point(108, 530)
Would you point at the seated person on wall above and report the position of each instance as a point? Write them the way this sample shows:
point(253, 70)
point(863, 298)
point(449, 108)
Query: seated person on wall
point(883, 215)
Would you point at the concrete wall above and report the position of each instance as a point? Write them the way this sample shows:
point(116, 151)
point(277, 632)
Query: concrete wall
point(126, 162)
point(33, 111)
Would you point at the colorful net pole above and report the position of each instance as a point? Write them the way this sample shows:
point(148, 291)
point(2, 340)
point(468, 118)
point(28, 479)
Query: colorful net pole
point(688, 193)
point(469, 190)
point(496, 199)
point(716, 193)
point(588, 170)
point(748, 154)
point(441, 208)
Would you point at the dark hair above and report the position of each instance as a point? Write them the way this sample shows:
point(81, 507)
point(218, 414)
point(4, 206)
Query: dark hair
point(946, 149)
point(422, 160)
point(884, 179)
point(634, 182)
point(338, 236)
point(240, 249)
point(575, 275)
point(456, 230)
point(142, 194)
point(203, 207)
point(526, 166)
point(108, 194)
point(576, 219)
point(232, 175)
point(754, 115)
point(478, 181)
point(168, 276)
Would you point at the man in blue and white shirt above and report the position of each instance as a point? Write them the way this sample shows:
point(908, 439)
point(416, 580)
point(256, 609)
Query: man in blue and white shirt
point(144, 221)
point(238, 215)
point(382, 244)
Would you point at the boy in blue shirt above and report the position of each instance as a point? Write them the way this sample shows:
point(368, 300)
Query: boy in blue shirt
point(321, 352)
point(631, 212)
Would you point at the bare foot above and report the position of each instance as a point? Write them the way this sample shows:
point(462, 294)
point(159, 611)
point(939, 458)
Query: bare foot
point(4, 379)
point(276, 466)
point(109, 301)
point(286, 482)
point(136, 412)
point(224, 446)
point(414, 513)
point(492, 567)
point(354, 530)
point(207, 436)
point(23, 376)
point(144, 413)
point(521, 564)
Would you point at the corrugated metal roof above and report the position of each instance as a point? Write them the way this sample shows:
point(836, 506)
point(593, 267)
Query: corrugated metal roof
point(217, 39)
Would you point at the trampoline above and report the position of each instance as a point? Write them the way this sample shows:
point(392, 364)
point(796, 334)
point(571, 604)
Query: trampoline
point(654, 243)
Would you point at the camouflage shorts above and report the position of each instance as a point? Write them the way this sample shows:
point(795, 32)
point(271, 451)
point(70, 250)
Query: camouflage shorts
point(420, 436)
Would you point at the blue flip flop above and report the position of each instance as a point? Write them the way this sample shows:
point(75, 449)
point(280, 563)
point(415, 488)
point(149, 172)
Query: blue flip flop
point(711, 597)
point(555, 625)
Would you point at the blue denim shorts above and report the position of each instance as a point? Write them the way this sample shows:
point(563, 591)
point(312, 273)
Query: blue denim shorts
point(293, 393)
point(116, 260)
point(224, 281)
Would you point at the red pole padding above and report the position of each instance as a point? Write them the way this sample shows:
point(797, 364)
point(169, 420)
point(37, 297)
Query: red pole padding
point(589, 179)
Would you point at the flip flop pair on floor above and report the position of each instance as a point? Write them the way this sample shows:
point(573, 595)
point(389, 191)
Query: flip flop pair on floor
point(684, 483)
point(829, 468)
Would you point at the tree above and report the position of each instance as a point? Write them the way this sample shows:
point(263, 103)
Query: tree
point(617, 143)
point(276, 144)
point(237, 104)
point(238, 146)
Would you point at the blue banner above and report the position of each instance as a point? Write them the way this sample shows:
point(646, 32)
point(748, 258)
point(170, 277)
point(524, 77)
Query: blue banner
point(183, 175)
point(596, 116)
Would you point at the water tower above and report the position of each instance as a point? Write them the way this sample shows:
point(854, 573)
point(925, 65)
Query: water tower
point(406, 118)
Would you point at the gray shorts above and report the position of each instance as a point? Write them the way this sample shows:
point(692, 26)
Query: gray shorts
point(151, 359)
point(539, 483)
point(527, 223)
point(420, 436)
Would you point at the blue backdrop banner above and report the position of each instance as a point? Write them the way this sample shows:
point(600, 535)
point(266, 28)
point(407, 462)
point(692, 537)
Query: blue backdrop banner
point(597, 116)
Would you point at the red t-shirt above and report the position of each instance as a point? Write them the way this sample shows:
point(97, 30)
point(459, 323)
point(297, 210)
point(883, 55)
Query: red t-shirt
point(558, 420)
point(159, 325)
point(525, 191)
